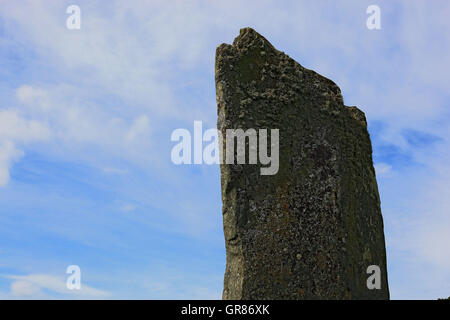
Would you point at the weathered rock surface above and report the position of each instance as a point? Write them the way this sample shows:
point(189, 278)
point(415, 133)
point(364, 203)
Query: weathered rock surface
point(311, 230)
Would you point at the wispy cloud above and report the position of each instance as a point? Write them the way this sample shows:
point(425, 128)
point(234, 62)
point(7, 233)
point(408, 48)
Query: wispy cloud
point(31, 287)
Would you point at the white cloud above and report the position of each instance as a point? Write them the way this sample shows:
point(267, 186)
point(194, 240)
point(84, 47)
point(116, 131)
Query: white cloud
point(8, 154)
point(14, 129)
point(382, 169)
point(31, 286)
point(139, 127)
point(24, 289)
point(71, 124)
point(34, 97)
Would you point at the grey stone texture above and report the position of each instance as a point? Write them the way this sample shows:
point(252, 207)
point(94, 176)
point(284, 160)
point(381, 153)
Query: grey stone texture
point(311, 230)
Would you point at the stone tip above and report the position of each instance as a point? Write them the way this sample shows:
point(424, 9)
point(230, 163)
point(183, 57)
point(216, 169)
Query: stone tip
point(248, 37)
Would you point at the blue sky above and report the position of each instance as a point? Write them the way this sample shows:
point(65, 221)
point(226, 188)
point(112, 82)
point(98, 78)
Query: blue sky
point(86, 117)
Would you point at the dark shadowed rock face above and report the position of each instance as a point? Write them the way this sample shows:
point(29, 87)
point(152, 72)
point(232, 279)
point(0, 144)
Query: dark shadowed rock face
point(311, 230)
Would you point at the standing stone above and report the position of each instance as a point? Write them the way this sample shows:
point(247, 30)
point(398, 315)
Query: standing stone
point(311, 230)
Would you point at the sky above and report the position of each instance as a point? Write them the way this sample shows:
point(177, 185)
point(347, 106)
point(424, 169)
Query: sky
point(86, 116)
